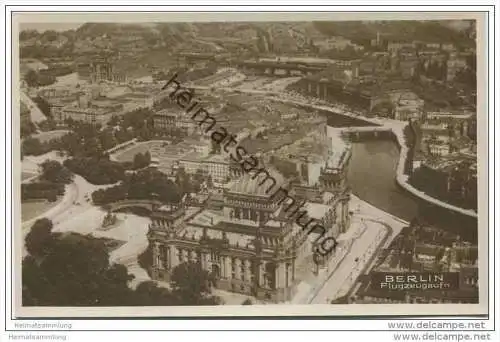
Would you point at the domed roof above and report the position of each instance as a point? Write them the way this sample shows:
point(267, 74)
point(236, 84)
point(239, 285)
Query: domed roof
point(262, 182)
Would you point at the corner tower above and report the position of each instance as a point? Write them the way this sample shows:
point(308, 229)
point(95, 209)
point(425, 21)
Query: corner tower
point(333, 179)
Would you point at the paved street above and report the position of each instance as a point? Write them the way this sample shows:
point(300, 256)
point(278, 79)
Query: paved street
point(343, 278)
point(36, 114)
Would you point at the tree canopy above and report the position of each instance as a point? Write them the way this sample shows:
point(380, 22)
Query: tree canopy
point(69, 269)
point(191, 285)
point(53, 171)
point(145, 184)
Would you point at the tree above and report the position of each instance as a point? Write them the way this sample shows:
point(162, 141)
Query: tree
point(52, 197)
point(71, 270)
point(96, 170)
point(247, 302)
point(145, 184)
point(27, 128)
point(198, 179)
point(47, 125)
point(43, 105)
point(115, 120)
point(107, 139)
point(53, 171)
point(145, 259)
point(32, 146)
point(182, 180)
point(31, 78)
point(191, 285)
point(38, 239)
point(28, 34)
point(141, 160)
point(149, 294)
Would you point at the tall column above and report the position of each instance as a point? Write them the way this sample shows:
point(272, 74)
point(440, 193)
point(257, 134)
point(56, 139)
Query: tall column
point(309, 87)
point(156, 255)
point(166, 257)
point(325, 91)
point(280, 275)
point(288, 274)
point(262, 270)
point(227, 267)
point(318, 90)
point(204, 261)
point(248, 270)
point(237, 268)
point(174, 260)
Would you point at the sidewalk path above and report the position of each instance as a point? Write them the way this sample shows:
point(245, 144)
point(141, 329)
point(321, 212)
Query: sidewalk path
point(360, 254)
point(36, 114)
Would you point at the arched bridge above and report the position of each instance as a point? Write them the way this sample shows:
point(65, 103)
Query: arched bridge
point(278, 68)
point(372, 132)
point(149, 205)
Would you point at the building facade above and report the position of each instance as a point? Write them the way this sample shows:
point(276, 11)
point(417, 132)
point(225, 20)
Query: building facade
point(99, 69)
point(250, 244)
point(169, 121)
point(86, 110)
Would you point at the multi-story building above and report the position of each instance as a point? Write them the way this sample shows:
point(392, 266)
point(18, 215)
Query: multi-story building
point(345, 87)
point(394, 46)
point(336, 43)
point(56, 92)
point(99, 69)
point(90, 115)
point(250, 246)
point(247, 239)
point(408, 66)
point(171, 120)
point(452, 178)
point(407, 105)
point(448, 47)
point(466, 291)
point(90, 111)
point(59, 98)
point(453, 65)
point(215, 165)
point(433, 45)
point(457, 124)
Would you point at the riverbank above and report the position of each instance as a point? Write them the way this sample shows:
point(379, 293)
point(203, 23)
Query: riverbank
point(396, 127)
point(402, 179)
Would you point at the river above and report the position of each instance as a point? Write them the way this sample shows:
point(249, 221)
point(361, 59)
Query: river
point(372, 173)
point(372, 177)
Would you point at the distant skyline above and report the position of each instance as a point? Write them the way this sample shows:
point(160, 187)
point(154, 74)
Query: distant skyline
point(50, 26)
point(61, 26)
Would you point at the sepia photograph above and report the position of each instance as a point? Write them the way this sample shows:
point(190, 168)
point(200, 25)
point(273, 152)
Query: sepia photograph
point(242, 165)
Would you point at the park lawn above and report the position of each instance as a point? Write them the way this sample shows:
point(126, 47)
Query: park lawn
point(26, 175)
point(30, 210)
point(128, 155)
point(49, 135)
